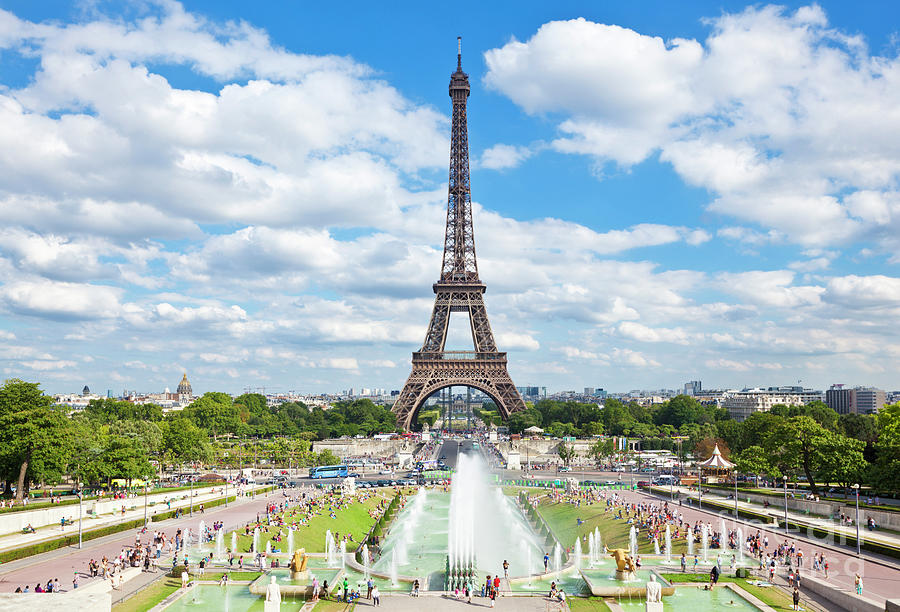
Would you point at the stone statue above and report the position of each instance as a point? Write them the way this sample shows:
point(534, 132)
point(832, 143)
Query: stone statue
point(654, 595)
point(273, 596)
point(298, 565)
point(624, 564)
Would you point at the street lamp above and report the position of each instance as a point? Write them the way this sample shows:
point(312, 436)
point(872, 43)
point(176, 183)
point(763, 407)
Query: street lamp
point(784, 478)
point(145, 503)
point(856, 488)
point(735, 494)
point(80, 499)
point(191, 479)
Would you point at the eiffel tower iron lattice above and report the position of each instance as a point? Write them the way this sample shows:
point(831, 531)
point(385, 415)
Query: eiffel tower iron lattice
point(458, 290)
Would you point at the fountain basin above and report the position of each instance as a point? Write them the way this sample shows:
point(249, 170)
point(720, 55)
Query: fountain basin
point(604, 584)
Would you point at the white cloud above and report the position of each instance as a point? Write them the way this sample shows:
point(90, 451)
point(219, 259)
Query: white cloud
point(59, 300)
point(642, 333)
point(503, 156)
point(629, 357)
point(764, 143)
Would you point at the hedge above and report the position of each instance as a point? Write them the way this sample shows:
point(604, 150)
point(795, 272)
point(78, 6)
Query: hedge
point(69, 540)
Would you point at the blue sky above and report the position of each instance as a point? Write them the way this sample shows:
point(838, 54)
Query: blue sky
point(254, 193)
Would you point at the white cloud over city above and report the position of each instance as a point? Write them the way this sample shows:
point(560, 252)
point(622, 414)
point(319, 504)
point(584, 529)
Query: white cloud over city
point(285, 224)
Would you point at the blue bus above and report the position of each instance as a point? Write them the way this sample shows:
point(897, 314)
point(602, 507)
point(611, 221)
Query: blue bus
point(329, 471)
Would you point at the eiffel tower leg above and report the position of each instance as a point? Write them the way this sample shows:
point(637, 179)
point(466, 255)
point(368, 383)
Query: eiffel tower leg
point(430, 375)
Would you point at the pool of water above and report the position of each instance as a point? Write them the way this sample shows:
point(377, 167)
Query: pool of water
point(695, 598)
point(571, 583)
point(607, 577)
point(322, 573)
point(234, 598)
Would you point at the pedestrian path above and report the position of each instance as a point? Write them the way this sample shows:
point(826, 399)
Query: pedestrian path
point(776, 514)
point(13, 541)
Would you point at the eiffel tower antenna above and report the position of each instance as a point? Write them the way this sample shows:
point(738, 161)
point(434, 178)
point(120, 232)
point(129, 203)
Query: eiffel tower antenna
point(458, 290)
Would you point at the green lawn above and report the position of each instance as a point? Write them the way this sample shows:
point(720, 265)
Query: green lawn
point(771, 596)
point(150, 596)
point(311, 536)
point(562, 519)
point(333, 606)
point(587, 604)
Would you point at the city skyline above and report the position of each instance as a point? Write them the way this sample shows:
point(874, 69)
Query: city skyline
point(658, 198)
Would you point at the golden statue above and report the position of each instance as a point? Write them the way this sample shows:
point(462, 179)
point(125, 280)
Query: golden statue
point(624, 565)
point(298, 565)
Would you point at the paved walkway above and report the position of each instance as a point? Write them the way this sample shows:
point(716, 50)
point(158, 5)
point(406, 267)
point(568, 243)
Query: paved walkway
point(63, 563)
point(880, 579)
point(51, 532)
point(774, 512)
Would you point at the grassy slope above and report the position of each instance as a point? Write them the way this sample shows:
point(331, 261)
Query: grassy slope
point(150, 596)
point(562, 519)
point(588, 604)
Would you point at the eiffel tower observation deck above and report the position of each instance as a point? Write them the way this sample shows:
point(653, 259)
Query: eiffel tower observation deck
point(459, 290)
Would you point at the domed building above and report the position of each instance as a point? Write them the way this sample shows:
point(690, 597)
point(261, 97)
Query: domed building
point(184, 387)
point(86, 391)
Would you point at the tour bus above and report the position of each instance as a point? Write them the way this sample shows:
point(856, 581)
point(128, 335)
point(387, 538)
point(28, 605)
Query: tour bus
point(329, 471)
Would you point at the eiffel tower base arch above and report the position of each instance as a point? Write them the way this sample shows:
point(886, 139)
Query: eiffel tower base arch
point(432, 372)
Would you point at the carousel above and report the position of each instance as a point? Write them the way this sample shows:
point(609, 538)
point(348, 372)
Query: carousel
point(716, 468)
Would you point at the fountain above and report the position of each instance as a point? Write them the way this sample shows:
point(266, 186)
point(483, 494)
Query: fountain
point(668, 544)
point(632, 541)
point(740, 544)
point(220, 543)
point(290, 541)
point(592, 559)
point(394, 580)
point(343, 552)
point(365, 560)
point(255, 540)
point(656, 550)
point(557, 557)
point(577, 560)
point(268, 547)
point(690, 542)
point(704, 541)
point(234, 542)
point(598, 542)
point(527, 557)
point(201, 534)
point(330, 549)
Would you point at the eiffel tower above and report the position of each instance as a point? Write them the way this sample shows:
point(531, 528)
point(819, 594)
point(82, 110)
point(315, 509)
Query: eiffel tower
point(458, 290)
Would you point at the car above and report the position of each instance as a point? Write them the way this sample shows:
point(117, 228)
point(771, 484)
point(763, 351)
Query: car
point(618, 468)
point(610, 482)
point(565, 468)
point(386, 473)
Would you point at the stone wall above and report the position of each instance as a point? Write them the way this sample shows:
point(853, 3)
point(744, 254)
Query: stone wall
point(887, 520)
point(356, 447)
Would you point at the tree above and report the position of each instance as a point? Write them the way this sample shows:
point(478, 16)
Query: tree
point(33, 435)
point(566, 452)
point(601, 449)
point(184, 441)
point(842, 459)
point(797, 444)
point(753, 460)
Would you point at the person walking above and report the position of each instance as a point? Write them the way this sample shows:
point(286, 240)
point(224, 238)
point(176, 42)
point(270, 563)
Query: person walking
point(683, 563)
point(369, 585)
point(506, 569)
point(376, 596)
point(496, 590)
point(795, 597)
point(859, 584)
point(546, 562)
point(416, 589)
